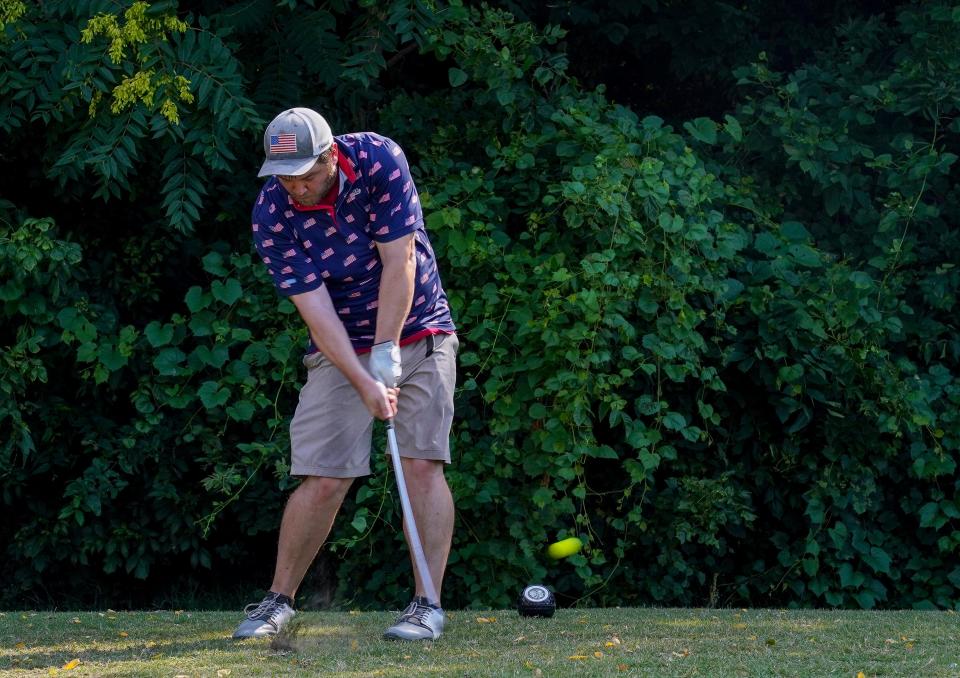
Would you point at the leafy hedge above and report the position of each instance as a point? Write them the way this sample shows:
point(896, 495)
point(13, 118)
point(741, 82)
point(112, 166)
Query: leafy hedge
point(722, 351)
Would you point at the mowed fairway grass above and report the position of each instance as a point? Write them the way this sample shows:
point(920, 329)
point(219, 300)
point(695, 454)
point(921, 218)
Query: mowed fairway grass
point(575, 642)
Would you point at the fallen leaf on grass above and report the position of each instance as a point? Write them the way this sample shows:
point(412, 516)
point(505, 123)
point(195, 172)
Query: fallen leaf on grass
point(123, 634)
point(682, 653)
point(486, 620)
point(71, 665)
point(860, 674)
point(598, 654)
point(519, 638)
point(76, 620)
point(21, 645)
point(740, 626)
point(354, 645)
point(577, 657)
point(622, 667)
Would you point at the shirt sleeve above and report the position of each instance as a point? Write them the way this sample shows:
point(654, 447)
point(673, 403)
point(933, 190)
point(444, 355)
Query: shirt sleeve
point(288, 263)
point(394, 203)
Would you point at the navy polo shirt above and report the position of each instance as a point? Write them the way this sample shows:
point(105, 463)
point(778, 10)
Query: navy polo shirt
point(335, 245)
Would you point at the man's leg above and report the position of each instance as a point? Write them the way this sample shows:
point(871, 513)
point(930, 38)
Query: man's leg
point(423, 430)
point(306, 523)
point(434, 513)
point(307, 520)
point(329, 438)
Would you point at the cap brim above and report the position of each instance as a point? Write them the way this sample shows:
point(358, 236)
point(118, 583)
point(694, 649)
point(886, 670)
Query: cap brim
point(290, 168)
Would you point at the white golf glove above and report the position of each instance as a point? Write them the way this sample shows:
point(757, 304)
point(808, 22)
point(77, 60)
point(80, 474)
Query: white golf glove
point(385, 363)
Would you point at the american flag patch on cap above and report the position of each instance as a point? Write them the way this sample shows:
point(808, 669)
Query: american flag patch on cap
point(283, 143)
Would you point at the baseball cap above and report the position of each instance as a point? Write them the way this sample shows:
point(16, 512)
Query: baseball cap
point(293, 141)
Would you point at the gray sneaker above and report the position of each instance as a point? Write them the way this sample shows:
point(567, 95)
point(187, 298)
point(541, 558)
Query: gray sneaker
point(265, 619)
point(420, 621)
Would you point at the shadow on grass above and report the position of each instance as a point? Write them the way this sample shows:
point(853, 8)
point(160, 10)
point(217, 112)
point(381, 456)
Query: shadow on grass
point(123, 637)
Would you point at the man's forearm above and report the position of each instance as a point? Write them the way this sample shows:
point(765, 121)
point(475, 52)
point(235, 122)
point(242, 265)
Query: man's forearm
point(395, 298)
point(330, 336)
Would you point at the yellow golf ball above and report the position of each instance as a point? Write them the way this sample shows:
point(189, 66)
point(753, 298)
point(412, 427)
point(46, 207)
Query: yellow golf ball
point(564, 547)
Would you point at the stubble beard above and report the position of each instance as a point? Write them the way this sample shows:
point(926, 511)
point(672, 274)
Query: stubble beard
point(315, 198)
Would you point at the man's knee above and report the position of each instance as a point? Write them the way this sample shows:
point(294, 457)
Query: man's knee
point(322, 491)
point(423, 471)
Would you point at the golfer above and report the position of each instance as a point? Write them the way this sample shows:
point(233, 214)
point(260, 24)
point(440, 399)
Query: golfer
point(339, 226)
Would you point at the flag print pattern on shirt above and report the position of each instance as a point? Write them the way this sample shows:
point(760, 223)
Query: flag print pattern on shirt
point(304, 248)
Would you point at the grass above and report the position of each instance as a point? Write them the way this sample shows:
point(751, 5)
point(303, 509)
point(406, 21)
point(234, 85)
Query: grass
point(575, 642)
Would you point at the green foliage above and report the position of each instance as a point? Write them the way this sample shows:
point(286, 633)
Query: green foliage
point(721, 350)
point(198, 387)
point(665, 57)
point(31, 264)
point(588, 264)
point(667, 359)
point(138, 29)
point(854, 147)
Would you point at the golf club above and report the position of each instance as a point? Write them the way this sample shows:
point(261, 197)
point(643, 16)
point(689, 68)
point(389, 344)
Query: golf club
point(408, 519)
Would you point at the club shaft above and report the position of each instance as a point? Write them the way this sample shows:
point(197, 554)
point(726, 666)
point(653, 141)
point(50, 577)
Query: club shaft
point(419, 559)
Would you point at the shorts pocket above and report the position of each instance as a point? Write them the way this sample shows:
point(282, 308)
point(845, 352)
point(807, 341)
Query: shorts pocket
point(312, 360)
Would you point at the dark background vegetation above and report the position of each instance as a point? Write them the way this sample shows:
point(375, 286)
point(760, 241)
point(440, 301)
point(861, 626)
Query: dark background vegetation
point(703, 258)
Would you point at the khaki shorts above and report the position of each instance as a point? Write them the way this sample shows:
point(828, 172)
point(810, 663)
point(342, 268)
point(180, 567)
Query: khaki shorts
point(331, 431)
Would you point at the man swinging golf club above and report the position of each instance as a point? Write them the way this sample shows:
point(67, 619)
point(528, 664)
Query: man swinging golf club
point(339, 226)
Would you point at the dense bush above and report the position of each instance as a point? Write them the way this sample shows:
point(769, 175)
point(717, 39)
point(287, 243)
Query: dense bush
point(722, 351)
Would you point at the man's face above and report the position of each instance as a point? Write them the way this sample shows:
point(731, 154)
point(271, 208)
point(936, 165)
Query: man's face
point(310, 187)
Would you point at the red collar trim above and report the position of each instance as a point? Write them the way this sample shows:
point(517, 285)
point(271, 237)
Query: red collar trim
point(343, 164)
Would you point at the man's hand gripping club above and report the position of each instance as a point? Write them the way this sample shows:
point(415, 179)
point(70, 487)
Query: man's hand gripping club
point(386, 370)
point(385, 363)
point(331, 338)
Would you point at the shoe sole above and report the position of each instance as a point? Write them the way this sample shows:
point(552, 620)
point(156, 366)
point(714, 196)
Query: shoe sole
point(254, 635)
point(393, 636)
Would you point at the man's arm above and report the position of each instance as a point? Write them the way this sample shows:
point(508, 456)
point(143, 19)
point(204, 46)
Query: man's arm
point(399, 258)
point(331, 338)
